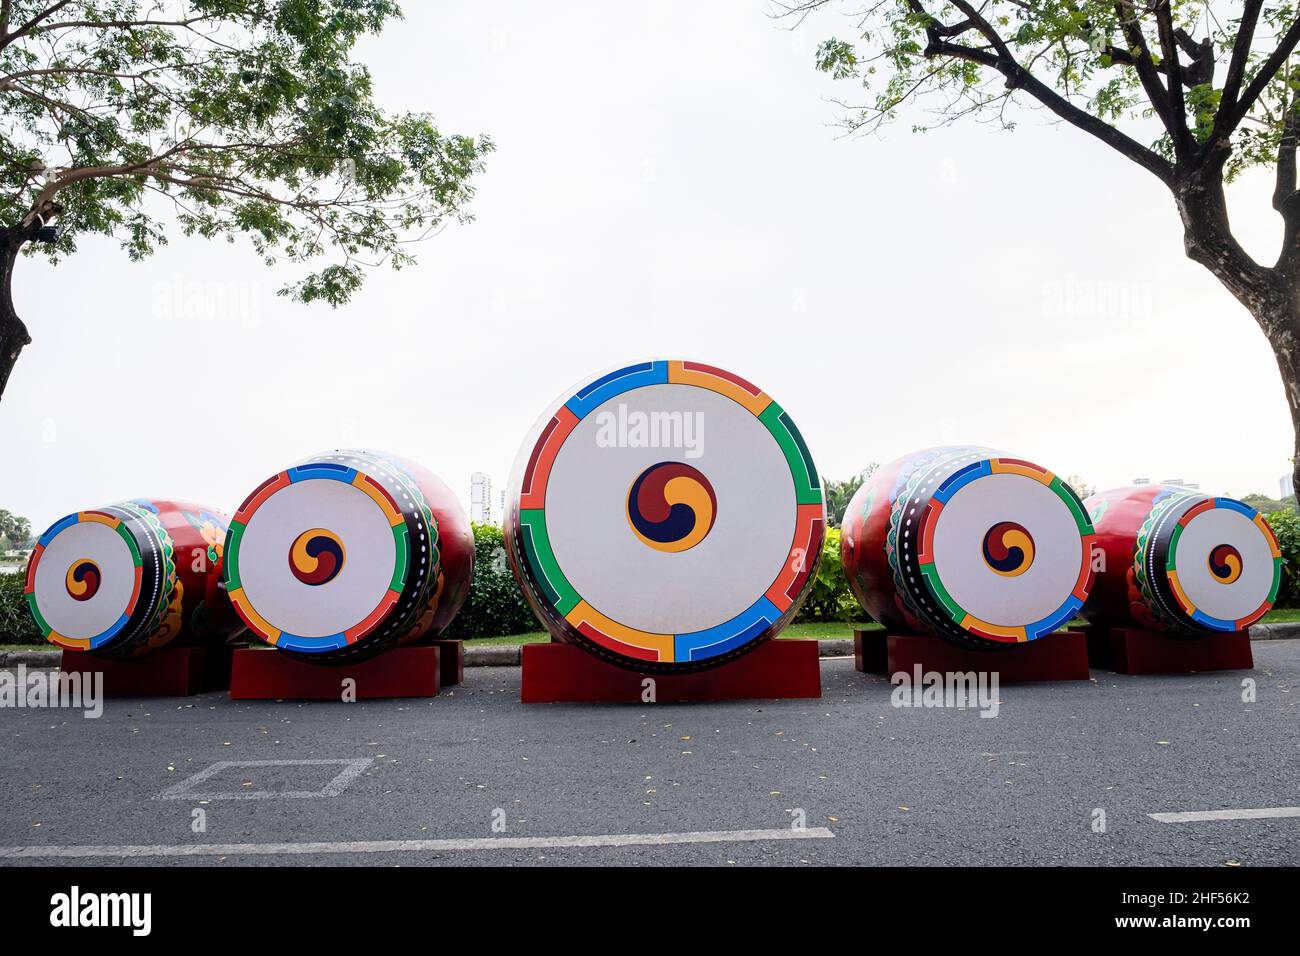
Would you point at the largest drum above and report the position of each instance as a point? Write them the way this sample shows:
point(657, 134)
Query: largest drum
point(128, 579)
point(1182, 562)
point(347, 554)
point(968, 544)
point(665, 516)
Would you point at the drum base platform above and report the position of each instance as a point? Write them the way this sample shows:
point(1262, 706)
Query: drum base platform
point(566, 674)
point(1060, 656)
point(451, 662)
point(266, 674)
point(171, 672)
point(1139, 651)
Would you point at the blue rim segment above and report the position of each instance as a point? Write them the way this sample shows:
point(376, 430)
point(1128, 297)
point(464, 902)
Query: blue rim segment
point(293, 642)
point(744, 627)
point(322, 470)
point(616, 383)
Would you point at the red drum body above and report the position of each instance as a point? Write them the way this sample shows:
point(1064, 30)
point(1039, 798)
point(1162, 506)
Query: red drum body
point(1181, 562)
point(666, 517)
point(347, 554)
point(125, 580)
point(969, 545)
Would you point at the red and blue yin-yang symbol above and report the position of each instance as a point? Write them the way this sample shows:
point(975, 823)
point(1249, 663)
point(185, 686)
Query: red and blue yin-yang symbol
point(82, 580)
point(1225, 563)
point(316, 557)
point(671, 506)
point(1008, 549)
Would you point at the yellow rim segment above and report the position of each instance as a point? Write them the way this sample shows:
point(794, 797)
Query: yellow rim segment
point(394, 516)
point(267, 632)
point(678, 374)
point(584, 613)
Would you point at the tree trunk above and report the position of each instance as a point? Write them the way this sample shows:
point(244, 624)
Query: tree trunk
point(1284, 335)
point(13, 334)
point(1272, 295)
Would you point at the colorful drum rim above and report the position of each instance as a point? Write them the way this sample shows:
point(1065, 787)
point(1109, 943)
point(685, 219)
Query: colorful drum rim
point(951, 611)
point(1171, 514)
point(153, 570)
point(577, 619)
point(415, 542)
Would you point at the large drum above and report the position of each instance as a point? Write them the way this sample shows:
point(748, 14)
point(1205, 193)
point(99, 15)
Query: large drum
point(1181, 562)
point(347, 554)
point(666, 517)
point(970, 545)
point(128, 579)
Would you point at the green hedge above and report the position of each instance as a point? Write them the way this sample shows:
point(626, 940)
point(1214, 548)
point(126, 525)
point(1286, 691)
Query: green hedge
point(1286, 525)
point(496, 606)
point(16, 624)
point(830, 598)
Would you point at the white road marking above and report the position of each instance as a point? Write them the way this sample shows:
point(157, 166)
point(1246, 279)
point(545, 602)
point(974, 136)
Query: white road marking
point(352, 769)
point(1200, 816)
point(413, 846)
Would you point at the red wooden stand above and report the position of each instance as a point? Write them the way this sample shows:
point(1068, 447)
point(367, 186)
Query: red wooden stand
point(451, 662)
point(1139, 651)
point(266, 674)
point(566, 674)
point(170, 672)
point(1061, 656)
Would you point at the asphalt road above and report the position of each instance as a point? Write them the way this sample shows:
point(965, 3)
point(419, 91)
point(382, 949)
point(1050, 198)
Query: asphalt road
point(891, 786)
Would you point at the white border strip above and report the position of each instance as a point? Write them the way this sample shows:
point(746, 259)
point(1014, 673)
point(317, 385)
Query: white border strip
point(352, 768)
point(412, 846)
point(1202, 816)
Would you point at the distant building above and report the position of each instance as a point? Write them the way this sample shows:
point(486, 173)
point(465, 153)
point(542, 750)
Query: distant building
point(1141, 481)
point(1286, 484)
point(1182, 483)
point(480, 498)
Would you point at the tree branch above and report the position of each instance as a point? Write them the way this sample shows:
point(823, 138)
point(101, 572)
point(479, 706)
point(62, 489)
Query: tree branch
point(1175, 123)
point(1285, 182)
point(1017, 77)
point(1267, 72)
point(1169, 56)
point(33, 23)
point(1240, 57)
point(1201, 71)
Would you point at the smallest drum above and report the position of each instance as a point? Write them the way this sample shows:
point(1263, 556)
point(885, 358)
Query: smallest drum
point(347, 554)
point(1181, 562)
point(125, 580)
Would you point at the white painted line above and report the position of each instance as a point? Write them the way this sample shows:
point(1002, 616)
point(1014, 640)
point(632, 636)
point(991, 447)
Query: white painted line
point(184, 790)
point(413, 846)
point(1200, 816)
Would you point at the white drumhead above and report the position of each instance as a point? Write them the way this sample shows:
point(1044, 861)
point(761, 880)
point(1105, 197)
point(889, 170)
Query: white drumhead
point(86, 580)
point(316, 558)
point(1224, 563)
point(733, 467)
point(1008, 549)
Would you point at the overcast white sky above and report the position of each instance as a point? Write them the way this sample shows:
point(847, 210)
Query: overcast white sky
point(667, 183)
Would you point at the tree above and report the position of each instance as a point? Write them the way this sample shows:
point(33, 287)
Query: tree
point(1217, 81)
point(1266, 505)
point(16, 529)
point(839, 493)
point(230, 117)
point(1081, 488)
